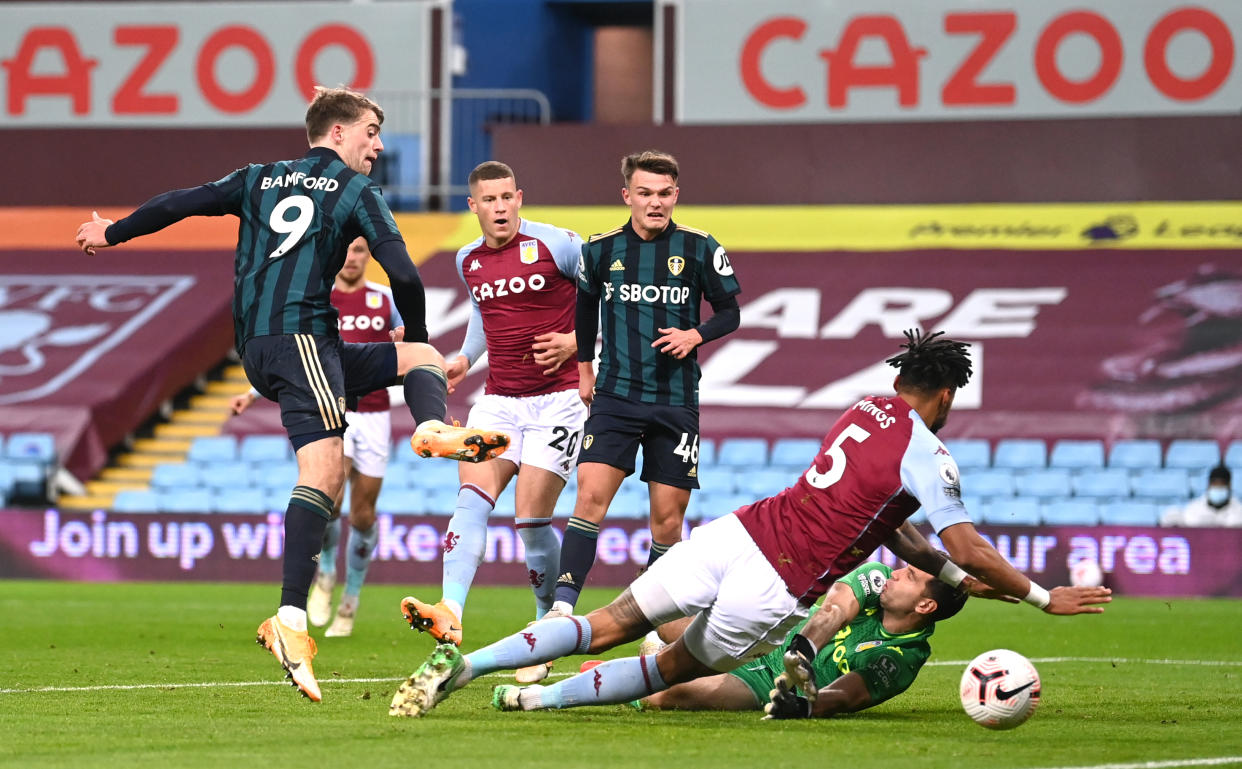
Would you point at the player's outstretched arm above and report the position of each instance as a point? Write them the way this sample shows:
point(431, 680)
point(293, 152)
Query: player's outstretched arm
point(973, 553)
point(909, 544)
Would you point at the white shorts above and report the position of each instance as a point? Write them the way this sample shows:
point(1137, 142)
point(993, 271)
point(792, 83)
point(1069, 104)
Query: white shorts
point(744, 609)
point(544, 430)
point(368, 435)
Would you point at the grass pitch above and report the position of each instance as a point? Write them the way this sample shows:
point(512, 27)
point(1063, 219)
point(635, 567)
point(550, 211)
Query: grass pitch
point(129, 675)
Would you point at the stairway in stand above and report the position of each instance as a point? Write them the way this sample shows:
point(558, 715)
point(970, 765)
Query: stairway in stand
point(170, 441)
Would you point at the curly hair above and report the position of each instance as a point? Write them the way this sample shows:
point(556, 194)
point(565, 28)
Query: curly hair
point(929, 364)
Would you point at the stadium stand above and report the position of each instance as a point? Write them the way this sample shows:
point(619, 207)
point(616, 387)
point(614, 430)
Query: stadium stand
point(1129, 512)
point(1135, 454)
point(793, 453)
point(1012, 512)
point(1197, 456)
point(1070, 512)
point(1042, 484)
point(1077, 454)
point(742, 453)
point(1021, 454)
point(970, 453)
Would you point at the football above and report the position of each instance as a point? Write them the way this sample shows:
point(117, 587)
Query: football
point(1000, 689)
point(1086, 573)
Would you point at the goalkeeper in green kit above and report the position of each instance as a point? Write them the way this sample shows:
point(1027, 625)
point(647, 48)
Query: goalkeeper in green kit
point(864, 645)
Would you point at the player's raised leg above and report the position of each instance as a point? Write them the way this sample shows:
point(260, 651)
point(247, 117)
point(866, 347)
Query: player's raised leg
point(426, 393)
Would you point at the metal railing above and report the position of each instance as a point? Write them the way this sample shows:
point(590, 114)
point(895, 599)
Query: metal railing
point(424, 166)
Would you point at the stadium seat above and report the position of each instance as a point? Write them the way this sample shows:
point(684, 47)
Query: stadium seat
point(1168, 482)
point(1012, 512)
point(186, 500)
point(1042, 484)
point(718, 479)
point(37, 447)
point(746, 453)
point(973, 505)
point(264, 448)
point(6, 480)
point(136, 501)
point(1129, 513)
point(970, 453)
point(401, 501)
point(1135, 454)
point(426, 474)
point(988, 483)
point(218, 448)
point(794, 453)
point(764, 483)
point(1021, 454)
point(1194, 455)
point(1233, 456)
point(224, 475)
point(1109, 482)
point(172, 475)
point(630, 502)
point(1071, 512)
point(1077, 455)
point(707, 452)
point(275, 476)
point(713, 505)
point(241, 500)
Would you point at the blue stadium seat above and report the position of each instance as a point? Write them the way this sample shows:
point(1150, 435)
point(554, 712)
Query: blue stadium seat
point(1071, 512)
point(1110, 482)
point(27, 478)
point(1233, 456)
point(136, 501)
point(218, 448)
point(6, 480)
point(630, 502)
point(426, 474)
point(1129, 513)
point(264, 448)
point(988, 483)
point(1077, 455)
point(400, 501)
point(797, 453)
point(1012, 512)
point(970, 453)
point(718, 479)
point(1167, 482)
point(707, 452)
point(973, 505)
point(712, 506)
point(36, 447)
point(1043, 484)
point(1194, 455)
point(764, 483)
point(241, 500)
point(224, 475)
point(275, 476)
point(175, 475)
point(1021, 454)
point(186, 500)
point(1135, 454)
point(746, 453)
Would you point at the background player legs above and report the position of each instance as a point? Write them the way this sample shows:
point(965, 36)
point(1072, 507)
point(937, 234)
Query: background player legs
point(597, 485)
point(363, 492)
point(668, 511)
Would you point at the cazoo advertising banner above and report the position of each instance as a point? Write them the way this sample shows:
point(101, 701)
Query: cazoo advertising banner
point(782, 61)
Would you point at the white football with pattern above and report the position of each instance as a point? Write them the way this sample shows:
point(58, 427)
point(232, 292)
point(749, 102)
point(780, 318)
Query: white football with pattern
point(1000, 689)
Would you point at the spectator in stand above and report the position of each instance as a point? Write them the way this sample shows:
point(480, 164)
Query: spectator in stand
point(1216, 507)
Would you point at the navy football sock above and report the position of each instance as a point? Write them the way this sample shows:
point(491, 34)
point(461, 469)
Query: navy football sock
point(577, 558)
point(426, 393)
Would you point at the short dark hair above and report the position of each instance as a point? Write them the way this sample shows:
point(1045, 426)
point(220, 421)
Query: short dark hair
point(488, 170)
point(651, 161)
point(330, 106)
point(930, 364)
point(1220, 473)
point(949, 600)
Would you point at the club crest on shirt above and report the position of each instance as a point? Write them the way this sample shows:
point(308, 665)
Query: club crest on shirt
point(375, 300)
point(587, 441)
point(529, 251)
point(865, 645)
point(676, 264)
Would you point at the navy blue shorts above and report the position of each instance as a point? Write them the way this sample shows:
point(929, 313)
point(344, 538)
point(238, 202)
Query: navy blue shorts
point(311, 377)
point(669, 436)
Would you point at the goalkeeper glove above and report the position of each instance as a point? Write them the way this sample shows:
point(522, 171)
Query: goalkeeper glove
point(785, 703)
point(798, 670)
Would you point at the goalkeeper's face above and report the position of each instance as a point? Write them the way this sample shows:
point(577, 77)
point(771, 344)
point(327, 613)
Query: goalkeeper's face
point(905, 589)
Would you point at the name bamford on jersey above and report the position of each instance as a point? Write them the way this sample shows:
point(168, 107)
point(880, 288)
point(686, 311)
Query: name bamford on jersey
point(299, 178)
point(636, 292)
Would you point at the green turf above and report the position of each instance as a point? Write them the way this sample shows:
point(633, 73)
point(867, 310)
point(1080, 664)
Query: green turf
point(53, 634)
